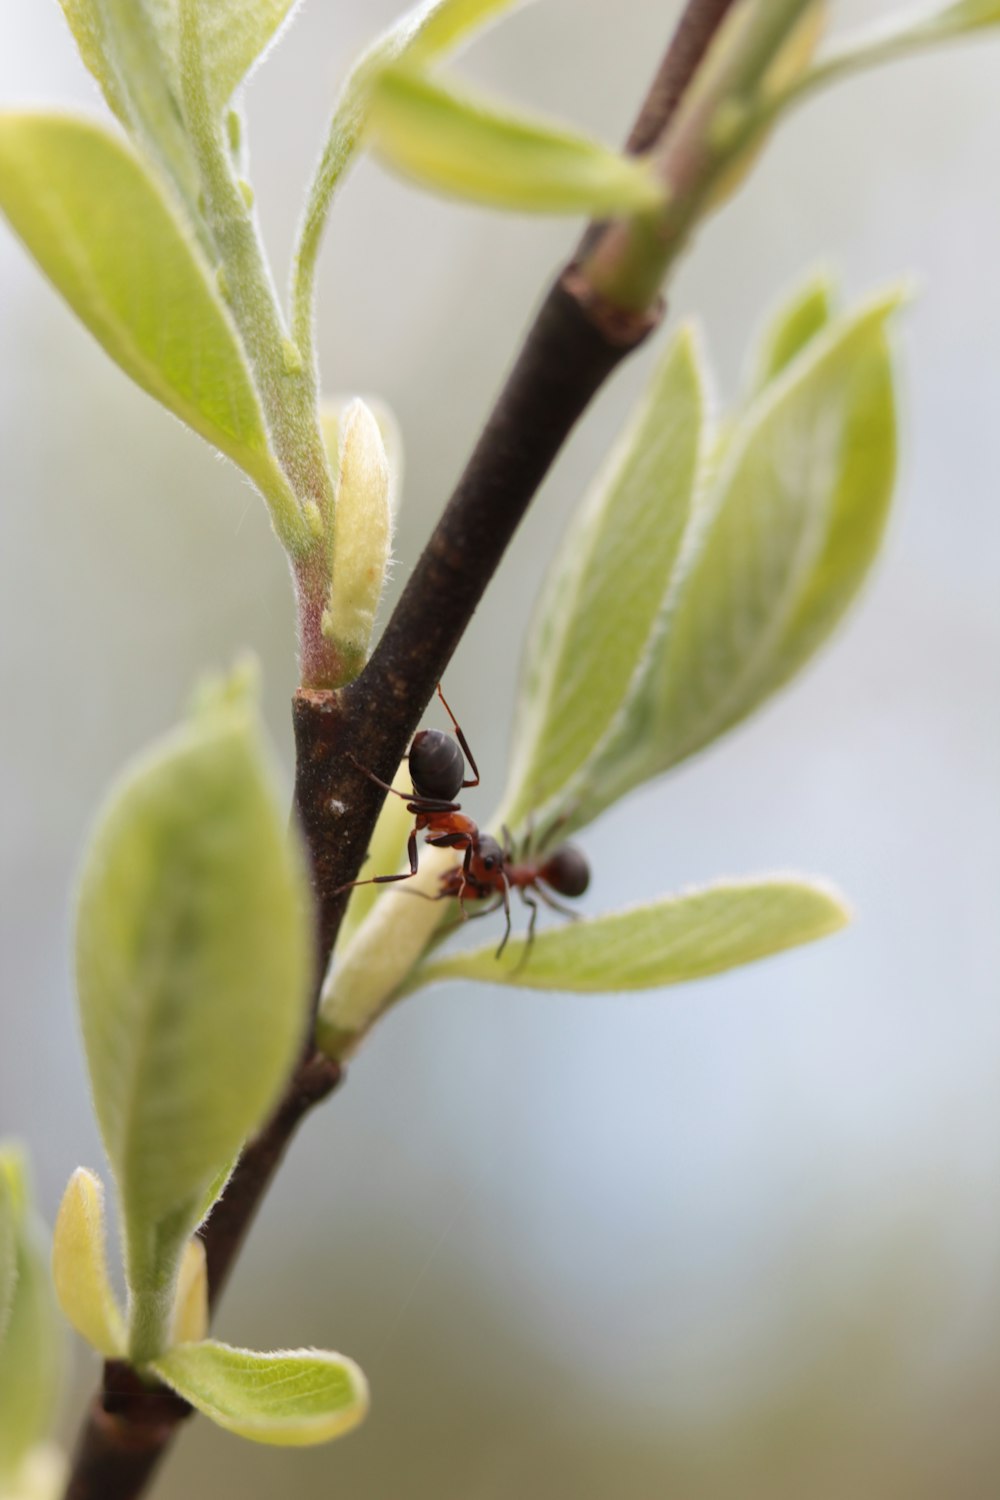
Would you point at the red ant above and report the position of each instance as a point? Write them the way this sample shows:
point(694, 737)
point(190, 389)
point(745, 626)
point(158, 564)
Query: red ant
point(437, 772)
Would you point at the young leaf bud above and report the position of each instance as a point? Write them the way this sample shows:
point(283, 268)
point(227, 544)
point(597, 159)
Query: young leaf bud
point(361, 533)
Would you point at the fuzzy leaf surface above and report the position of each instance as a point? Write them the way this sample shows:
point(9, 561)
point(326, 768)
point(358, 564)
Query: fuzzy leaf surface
point(794, 324)
point(80, 1266)
point(105, 235)
point(777, 549)
point(459, 144)
point(233, 34)
point(193, 961)
point(688, 936)
point(31, 1351)
point(607, 585)
point(291, 1399)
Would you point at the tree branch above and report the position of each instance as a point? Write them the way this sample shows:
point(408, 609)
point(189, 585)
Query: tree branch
point(576, 340)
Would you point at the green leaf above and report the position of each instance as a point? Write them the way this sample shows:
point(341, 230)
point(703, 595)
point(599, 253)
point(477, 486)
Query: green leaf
point(80, 1266)
point(8, 1256)
point(423, 32)
point(106, 237)
point(31, 1351)
point(292, 1399)
point(460, 145)
point(689, 936)
point(957, 20)
point(193, 969)
point(795, 323)
point(120, 44)
point(438, 26)
point(607, 586)
point(233, 34)
point(777, 549)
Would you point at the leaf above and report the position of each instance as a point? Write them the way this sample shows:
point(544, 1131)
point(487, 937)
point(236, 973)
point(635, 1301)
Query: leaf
point(689, 936)
point(290, 1399)
point(233, 35)
point(193, 969)
point(104, 234)
point(80, 1268)
point(438, 26)
point(957, 20)
point(460, 145)
point(8, 1256)
point(386, 848)
point(190, 1320)
point(31, 1352)
point(607, 586)
point(776, 551)
point(795, 323)
point(119, 44)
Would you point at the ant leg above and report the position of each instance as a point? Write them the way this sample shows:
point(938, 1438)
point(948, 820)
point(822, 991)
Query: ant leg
point(411, 851)
point(564, 911)
point(505, 896)
point(461, 739)
point(508, 843)
point(466, 881)
point(406, 796)
point(528, 901)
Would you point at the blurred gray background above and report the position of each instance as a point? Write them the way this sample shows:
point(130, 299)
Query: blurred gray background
point(731, 1241)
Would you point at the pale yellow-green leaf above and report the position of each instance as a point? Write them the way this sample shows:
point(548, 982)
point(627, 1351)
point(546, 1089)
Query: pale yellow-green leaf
point(31, 1351)
point(607, 585)
point(688, 936)
point(80, 1268)
point(464, 146)
point(41, 1475)
point(233, 35)
point(292, 1399)
point(106, 236)
point(777, 549)
point(386, 848)
point(437, 26)
point(959, 18)
point(119, 43)
point(190, 1319)
point(193, 967)
point(796, 321)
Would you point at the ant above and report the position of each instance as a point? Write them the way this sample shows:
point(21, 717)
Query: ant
point(437, 773)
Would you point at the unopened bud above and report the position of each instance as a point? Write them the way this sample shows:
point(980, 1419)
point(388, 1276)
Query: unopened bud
point(361, 533)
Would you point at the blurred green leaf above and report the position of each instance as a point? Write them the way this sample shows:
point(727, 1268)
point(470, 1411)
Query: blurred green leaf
point(106, 237)
point(956, 20)
point(193, 967)
point(459, 144)
point(689, 936)
point(607, 585)
point(437, 26)
point(31, 1351)
point(80, 1266)
point(8, 1256)
point(386, 848)
point(777, 549)
point(794, 324)
point(292, 1399)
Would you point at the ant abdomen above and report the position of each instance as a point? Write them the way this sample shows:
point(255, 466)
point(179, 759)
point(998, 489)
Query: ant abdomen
point(566, 871)
point(437, 766)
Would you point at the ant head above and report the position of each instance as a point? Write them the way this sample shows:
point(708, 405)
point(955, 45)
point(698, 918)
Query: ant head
point(437, 766)
point(566, 870)
point(490, 855)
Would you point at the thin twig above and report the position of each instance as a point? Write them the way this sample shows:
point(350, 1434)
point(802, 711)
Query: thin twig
point(574, 343)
